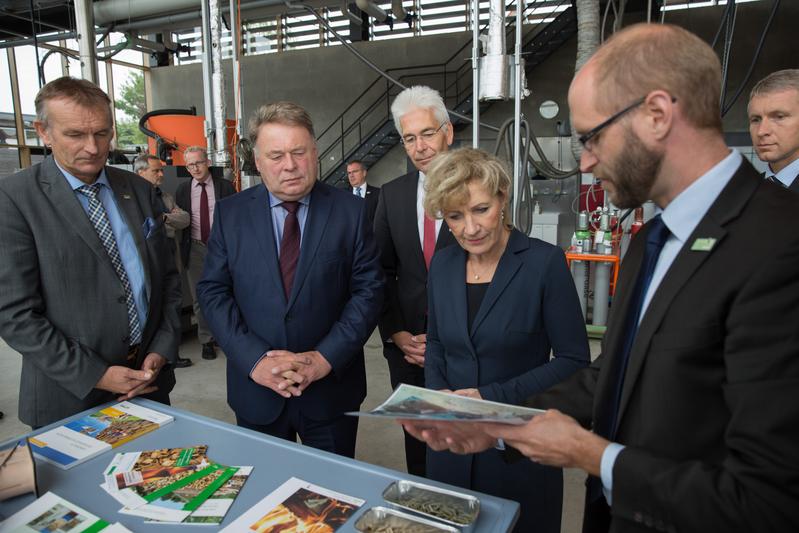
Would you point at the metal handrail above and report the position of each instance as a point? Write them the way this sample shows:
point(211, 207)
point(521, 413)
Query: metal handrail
point(459, 73)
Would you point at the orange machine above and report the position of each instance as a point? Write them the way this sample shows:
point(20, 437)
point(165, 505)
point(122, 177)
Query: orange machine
point(170, 131)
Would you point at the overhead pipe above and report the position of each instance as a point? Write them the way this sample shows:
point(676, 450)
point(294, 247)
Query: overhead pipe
point(375, 11)
point(208, 95)
point(476, 73)
point(345, 12)
point(112, 10)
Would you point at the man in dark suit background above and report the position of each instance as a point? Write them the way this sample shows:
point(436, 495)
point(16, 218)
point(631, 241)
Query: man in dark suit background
point(408, 239)
point(689, 419)
point(90, 292)
point(774, 125)
point(292, 290)
point(199, 200)
point(356, 174)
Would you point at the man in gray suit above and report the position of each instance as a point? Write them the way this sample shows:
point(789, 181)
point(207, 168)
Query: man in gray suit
point(774, 126)
point(89, 292)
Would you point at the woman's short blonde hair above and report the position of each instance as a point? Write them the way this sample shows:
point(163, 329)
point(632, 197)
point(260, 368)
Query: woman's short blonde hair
point(447, 179)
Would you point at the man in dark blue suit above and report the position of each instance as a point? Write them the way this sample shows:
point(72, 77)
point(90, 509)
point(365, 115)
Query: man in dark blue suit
point(292, 288)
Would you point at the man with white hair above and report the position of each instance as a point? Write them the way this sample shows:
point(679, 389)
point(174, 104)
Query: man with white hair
point(407, 239)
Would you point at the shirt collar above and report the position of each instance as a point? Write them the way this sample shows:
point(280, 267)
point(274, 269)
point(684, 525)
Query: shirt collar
point(275, 201)
point(195, 183)
point(75, 183)
point(684, 213)
point(787, 174)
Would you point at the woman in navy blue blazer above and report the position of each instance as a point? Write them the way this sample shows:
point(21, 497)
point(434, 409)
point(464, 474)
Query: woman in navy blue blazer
point(499, 304)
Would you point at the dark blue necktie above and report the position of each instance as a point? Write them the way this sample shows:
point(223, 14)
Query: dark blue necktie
point(605, 424)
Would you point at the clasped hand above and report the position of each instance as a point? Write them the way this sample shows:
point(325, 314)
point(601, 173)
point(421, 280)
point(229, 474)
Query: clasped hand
point(130, 382)
point(288, 373)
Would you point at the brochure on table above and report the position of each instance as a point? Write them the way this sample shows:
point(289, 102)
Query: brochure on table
point(418, 403)
point(212, 512)
point(298, 506)
point(77, 441)
point(53, 513)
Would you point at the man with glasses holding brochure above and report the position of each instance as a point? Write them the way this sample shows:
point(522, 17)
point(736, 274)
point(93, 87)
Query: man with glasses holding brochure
point(690, 417)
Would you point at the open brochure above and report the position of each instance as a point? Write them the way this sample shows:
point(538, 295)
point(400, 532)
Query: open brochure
point(212, 512)
point(174, 503)
point(53, 513)
point(117, 474)
point(298, 506)
point(77, 441)
point(417, 403)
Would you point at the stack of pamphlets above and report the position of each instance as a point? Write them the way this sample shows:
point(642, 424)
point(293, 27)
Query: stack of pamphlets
point(77, 441)
point(53, 513)
point(297, 505)
point(174, 485)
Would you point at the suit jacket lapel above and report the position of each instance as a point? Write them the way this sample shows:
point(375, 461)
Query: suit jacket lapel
point(412, 223)
point(455, 274)
point(727, 206)
point(64, 202)
point(509, 265)
point(130, 209)
point(264, 235)
point(315, 223)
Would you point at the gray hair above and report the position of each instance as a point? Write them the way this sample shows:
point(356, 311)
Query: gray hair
point(82, 92)
point(781, 80)
point(142, 162)
point(286, 113)
point(418, 97)
point(200, 149)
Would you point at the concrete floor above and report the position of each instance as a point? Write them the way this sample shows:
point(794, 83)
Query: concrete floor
point(201, 389)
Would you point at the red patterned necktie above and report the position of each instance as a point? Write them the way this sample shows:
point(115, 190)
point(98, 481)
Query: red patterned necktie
point(205, 222)
point(429, 240)
point(289, 246)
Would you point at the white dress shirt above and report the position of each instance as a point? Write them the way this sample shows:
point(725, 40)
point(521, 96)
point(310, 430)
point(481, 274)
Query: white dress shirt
point(420, 192)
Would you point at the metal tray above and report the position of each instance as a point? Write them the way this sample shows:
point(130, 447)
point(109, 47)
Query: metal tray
point(440, 504)
point(384, 520)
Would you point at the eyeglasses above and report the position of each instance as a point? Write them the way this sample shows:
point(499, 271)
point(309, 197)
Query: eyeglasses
point(587, 137)
point(197, 164)
point(426, 136)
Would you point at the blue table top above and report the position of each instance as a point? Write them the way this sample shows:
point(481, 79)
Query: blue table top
point(274, 461)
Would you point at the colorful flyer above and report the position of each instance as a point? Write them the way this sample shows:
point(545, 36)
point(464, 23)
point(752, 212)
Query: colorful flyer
point(298, 506)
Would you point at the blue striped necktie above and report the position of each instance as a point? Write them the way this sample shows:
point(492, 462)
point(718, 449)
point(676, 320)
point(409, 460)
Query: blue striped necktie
point(99, 219)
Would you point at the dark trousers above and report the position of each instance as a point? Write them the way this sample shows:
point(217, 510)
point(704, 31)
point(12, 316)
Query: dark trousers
point(336, 436)
point(401, 371)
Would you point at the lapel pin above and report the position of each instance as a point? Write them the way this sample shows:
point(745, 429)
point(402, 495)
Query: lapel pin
point(703, 244)
point(126, 196)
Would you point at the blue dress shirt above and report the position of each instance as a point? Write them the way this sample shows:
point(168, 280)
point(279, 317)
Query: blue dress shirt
point(681, 216)
point(279, 217)
point(128, 252)
point(787, 174)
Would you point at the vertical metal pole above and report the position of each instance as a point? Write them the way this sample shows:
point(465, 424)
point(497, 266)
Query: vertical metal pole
point(517, 111)
point(206, 62)
point(84, 20)
point(476, 73)
point(220, 155)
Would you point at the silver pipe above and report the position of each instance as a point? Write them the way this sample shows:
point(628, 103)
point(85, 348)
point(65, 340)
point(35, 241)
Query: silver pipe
point(398, 11)
point(84, 22)
point(517, 111)
point(187, 20)
point(348, 14)
point(42, 39)
point(235, 35)
point(476, 73)
point(208, 97)
point(111, 10)
point(495, 63)
point(220, 156)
